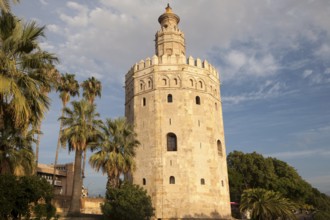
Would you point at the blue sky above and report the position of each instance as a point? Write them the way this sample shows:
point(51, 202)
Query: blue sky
point(273, 57)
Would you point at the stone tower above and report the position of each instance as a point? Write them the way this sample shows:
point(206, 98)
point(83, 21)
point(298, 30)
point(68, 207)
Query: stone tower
point(175, 106)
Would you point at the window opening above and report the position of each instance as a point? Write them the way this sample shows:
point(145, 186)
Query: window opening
point(198, 100)
point(144, 102)
point(219, 145)
point(144, 181)
point(192, 83)
point(202, 181)
point(171, 142)
point(169, 98)
point(172, 180)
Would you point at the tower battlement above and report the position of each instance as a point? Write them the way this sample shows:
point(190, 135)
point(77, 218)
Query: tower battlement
point(172, 60)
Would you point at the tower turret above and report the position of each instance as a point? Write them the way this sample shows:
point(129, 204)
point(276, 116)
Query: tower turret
point(169, 40)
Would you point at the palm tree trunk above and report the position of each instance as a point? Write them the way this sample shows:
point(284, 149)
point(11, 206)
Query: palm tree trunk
point(37, 148)
point(58, 146)
point(84, 164)
point(77, 185)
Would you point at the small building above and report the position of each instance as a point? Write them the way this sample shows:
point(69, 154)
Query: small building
point(63, 177)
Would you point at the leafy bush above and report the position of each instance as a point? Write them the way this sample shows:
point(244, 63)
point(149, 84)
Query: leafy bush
point(128, 202)
point(19, 196)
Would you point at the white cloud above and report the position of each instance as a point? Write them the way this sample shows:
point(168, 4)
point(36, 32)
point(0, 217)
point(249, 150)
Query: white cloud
point(323, 52)
point(44, 2)
point(327, 71)
point(307, 73)
point(79, 20)
point(267, 90)
point(301, 154)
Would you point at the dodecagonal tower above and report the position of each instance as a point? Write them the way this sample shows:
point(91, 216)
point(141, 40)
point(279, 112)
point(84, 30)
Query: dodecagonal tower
point(175, 106)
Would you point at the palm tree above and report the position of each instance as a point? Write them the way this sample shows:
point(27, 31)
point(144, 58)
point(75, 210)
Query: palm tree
point(91, 88)
point(117, 151)
point(22, 104)
point(5, 6)
point(16, 152)
point(68, 87)
point(81, 130)
point(52, 80)
point(264, 204)
point(20, 56)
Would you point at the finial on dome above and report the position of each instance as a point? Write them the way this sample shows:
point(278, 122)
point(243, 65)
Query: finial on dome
point(168, 8)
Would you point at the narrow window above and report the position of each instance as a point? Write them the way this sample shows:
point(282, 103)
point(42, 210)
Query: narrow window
point(171, 142)
point(164, 82)
point(175, 81)
point(144, 181)
point(222, 183)
point(170, 121)
point(149, 84)
point(200, 84)
point(216, 106)
point(172, 180)
point(219, 145)
point(198, 100)
point(169, 98)
point(141, 86)
point(192, 83)
point(202, 181)
point(144, 102)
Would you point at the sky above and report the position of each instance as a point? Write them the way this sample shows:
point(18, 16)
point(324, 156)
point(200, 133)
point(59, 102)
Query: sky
point(273, 57)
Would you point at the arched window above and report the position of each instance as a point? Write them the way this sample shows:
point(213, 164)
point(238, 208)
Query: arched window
point(144, 101)
point(144, 181)
point(175, 81)
point(141, 86)
point(149, 83)
point(219, 145)
point(202, 181)
point(169, 98)
point(171, 142)
point(191, 83)
point(198, 100)
point(172, 180)
point(200, 84)
point(164, 82)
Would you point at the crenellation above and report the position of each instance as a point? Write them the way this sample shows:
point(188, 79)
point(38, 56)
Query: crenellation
point(148, 62)
point(191, 61)
point(198, 63)
point(141, 65)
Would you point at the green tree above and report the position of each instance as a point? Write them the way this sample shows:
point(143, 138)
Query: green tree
point(16, 152)
point(50, 82)
point(128, 202)
point(81, 130)
point(20, 59)
point(264, 204)
point(20, 196)
point(91, 88)
point(22, 105)
point(115, 155)
point(250, 170)
point(5, 6)
point(68, 86)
